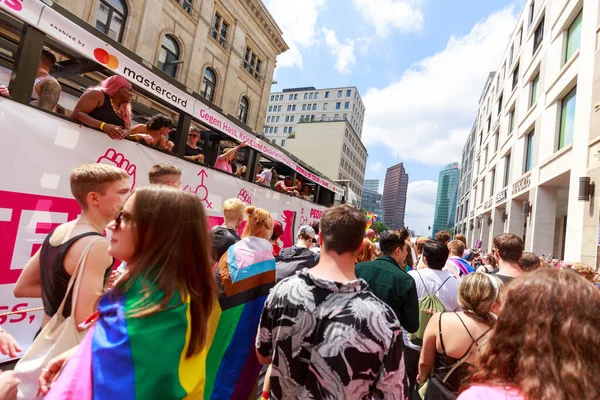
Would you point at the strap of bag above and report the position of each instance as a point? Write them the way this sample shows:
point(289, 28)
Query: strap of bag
point(438, 289)
point(76, 278)
point(424, 285)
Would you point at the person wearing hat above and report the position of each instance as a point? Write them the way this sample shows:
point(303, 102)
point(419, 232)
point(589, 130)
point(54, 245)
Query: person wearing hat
point(277, 232)
point(299, 256)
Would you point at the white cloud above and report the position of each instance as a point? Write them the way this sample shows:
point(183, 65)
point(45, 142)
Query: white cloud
point(297, 20)
point(386, 15)
point(427, 114)
point(420, 206)
point(343, 53)
point(376, 167)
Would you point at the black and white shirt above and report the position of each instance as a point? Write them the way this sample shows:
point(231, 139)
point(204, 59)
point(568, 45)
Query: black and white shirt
point(330, 340)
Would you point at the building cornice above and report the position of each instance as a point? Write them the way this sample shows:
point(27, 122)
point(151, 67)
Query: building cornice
point(265, 20)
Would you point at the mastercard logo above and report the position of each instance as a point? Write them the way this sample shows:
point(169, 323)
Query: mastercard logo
point(103, 57)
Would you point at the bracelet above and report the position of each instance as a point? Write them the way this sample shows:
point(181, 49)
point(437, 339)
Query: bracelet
point(102, 126)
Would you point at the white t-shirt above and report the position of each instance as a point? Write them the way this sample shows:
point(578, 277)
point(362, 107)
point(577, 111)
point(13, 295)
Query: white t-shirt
point(266, 176)
point(433, 279)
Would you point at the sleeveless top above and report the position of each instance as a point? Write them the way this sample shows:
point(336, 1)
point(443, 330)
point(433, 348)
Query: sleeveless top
point(444, 363)
point(55, 278)
point(106, 114)
point(35, 98)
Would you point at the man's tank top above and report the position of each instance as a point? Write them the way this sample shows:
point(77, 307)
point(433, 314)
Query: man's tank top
point(35, 98)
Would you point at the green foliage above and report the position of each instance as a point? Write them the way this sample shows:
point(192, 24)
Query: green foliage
point(379, 227)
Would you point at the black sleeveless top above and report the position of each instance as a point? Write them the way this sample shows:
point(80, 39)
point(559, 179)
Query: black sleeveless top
point(105, 113)
point(54, 278)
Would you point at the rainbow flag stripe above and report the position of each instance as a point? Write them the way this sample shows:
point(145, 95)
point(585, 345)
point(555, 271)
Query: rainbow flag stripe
point(145, 358)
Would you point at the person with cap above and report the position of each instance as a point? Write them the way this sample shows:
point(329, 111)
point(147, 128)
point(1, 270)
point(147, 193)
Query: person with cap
point(299, 256)
point(277, 232)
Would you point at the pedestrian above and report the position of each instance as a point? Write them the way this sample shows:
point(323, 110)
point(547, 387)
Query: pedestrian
point(545, 345)
point(366, 252)
point(431, 279)
point(165, 174)
point(529, 262)
point(277, 232)
point(455, 264)
point(325, 332)
point(508, 250)
point(443, 237)
point(299, 256)
point(225, 235)
point(390, 283)
point(163, 302)
point(452, 347)
point(489, 264)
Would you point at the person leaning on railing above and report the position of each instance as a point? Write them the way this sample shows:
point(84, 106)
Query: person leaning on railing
point(192, 150)
point(154, 132)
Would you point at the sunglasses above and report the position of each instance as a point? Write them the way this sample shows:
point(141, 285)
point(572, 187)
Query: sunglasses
point(122, 216)
point(193, 135)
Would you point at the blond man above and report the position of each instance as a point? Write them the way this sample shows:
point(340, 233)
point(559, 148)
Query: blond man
point(225, 235)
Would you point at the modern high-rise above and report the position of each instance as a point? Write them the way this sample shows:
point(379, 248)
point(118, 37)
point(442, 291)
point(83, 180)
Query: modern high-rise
point(535, 144)
point(371, 198)
point(371, 184)
point(445, 201)
point(394, 196)
point(307, 104)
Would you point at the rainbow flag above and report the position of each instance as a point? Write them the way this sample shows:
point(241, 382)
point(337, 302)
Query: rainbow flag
point(369, 220)
point(145, 358)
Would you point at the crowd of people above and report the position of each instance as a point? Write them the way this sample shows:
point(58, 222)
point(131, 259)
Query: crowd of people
point(343, 313)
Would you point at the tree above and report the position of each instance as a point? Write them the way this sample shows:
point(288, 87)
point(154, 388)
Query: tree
point(379, 227)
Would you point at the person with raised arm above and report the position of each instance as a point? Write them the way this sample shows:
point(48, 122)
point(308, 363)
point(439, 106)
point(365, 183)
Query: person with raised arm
point(225, 160)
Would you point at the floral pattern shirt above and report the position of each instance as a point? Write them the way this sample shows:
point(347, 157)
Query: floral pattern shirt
point(330, 340)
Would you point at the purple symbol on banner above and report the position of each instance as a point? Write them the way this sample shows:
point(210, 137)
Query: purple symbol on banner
point(201, 190)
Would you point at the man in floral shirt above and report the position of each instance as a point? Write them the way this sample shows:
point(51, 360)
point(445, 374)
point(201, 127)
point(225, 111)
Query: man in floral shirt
point(325, 333)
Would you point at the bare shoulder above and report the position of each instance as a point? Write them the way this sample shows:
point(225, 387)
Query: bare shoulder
point(98, 255)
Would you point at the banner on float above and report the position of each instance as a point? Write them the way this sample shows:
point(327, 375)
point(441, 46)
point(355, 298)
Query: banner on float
point(40, 152)
point(83, 42)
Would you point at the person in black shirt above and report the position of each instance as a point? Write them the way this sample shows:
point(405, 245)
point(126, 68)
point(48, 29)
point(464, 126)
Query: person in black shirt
point(226, 235)
point(192, 150)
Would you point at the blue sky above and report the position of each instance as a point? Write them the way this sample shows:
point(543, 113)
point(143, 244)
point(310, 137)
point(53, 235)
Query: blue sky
point(419, 65)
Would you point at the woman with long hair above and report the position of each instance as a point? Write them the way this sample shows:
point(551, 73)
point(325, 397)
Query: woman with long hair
point(546, 343)
point(150, 330)
point(107, 107)
point(452, 340)
point(366, 252)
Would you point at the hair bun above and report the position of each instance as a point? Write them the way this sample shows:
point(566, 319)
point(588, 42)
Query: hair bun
point(250, 210)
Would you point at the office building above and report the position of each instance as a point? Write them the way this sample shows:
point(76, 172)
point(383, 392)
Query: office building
point(292, 106)
point(534, 151)
point(333, 148)
point(394, 196)
point(445, 201)
point(224, 50)
point(371, 184)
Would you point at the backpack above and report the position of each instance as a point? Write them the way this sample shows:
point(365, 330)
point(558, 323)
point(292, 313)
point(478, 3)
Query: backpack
point(429, 302)
point(293, 259)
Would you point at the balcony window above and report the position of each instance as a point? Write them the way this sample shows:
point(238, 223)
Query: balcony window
point(567, 119)
point(252, 63)
point(219, 29)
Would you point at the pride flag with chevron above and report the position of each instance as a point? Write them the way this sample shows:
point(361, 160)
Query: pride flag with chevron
point(144, 358)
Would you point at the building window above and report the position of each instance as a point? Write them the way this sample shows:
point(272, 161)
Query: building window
point(534, 90)
point(209, 84)
point(272, 97)
point(270, 108)
point(325, 106)
point(512, 52)
point(296, 96)
point(266, 130)
point(303, 107)
point(186, 5)
point(314, 107)
point(293, 109)
point(277, 119)
point(336, 117)
point(348, 93)
point(252, 63)
point(339, 93)
point(268, 119)
point(492, 181)
point(511, 121)
point(567, 119)
point(278, 108)
point(310, 96)
point(338, 105)
point(538, 36)
point(346, 105)
point(292, 119)
point(111, 17)
point(219, 29)
point(276, 129)
point(496, 140)
point(282, 142)
point(500, 104)
point(244, 107)
point(168, 56)
point(305, 96)
point(489, 124)
point(316, 95)
point(289, 108)
point(531, 12)
point(285, 129)
point(271, 130)
point(520, 36)
point(287, 118)
point(326, 95)
point(515, 77)
point(482, 191)
point(291, 97)
point(506, 169)
point(573, 38)
point(529, 151)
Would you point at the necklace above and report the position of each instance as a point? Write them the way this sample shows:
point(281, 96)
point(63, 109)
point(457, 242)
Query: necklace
point(115, 109)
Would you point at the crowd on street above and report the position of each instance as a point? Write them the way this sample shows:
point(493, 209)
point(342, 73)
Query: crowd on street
point(343, 313)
